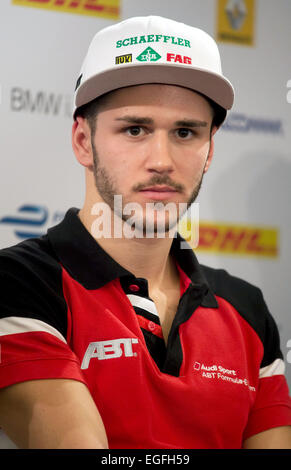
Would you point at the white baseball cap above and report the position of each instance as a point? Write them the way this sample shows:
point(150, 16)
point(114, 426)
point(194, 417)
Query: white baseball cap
point(152, 49)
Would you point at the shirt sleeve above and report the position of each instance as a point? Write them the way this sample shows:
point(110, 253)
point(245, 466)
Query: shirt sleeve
point(272, 407)
point(33, 322)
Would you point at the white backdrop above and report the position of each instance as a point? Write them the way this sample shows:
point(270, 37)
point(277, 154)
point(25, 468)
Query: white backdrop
point(249, 181)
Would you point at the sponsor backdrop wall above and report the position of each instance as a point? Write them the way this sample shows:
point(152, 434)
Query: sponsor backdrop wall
point(245, 199)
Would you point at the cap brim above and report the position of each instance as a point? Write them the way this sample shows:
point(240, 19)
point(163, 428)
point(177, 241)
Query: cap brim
point(215, 86)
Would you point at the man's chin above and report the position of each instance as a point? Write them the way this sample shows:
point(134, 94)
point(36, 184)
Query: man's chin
point(145, 228)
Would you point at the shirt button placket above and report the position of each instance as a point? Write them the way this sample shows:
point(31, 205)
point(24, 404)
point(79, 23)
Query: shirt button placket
point(134, 288)
point(151, 326)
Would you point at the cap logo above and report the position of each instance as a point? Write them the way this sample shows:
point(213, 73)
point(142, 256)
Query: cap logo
point(161, 38)
point(178, 58)
point(148, 55)
point(78, 81)
point(123, 59)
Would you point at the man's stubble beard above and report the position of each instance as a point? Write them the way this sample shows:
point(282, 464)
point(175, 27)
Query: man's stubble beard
point(107, 190)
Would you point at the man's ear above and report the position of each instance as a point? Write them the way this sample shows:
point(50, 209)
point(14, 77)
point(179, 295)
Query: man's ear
point(211, 149)
point(81, 142)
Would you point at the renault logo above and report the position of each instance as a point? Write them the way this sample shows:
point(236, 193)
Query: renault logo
point(236, 12)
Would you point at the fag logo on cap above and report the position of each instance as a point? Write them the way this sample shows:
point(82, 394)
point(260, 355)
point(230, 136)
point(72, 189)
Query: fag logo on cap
point(148, 55)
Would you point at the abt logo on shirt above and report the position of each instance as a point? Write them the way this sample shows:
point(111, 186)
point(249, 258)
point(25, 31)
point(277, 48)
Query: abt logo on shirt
point(110, 349)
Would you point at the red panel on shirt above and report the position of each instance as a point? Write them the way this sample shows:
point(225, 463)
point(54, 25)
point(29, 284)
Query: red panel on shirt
point(36, 355)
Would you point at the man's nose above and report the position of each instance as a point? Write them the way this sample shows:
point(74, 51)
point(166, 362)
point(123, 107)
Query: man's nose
point(159, 154)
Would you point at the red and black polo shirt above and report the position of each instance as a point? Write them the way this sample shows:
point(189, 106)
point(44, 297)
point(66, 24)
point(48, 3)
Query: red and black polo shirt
point(68, 310)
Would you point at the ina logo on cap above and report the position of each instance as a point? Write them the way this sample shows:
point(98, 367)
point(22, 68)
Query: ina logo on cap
point(149, 55)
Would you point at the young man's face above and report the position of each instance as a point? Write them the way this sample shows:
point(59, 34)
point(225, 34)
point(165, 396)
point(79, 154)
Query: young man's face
point(152, 144)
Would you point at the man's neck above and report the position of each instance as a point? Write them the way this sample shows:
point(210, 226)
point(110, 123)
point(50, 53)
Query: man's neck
point(144, 257)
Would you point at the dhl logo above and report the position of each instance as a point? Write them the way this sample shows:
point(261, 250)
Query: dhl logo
point(103, 8)
point(234, 239)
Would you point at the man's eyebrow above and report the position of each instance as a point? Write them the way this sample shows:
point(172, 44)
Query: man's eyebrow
point(136, 119)
point(147, 120)
point(191, 123)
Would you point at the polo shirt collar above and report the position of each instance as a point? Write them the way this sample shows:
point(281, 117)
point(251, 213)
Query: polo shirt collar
point(86, 261)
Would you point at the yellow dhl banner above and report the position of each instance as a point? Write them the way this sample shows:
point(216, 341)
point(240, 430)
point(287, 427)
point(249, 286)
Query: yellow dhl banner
point(232, 239)
point(102, 8)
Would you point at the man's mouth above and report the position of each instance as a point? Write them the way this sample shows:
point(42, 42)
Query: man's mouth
point(160, 189)
point(158, 192)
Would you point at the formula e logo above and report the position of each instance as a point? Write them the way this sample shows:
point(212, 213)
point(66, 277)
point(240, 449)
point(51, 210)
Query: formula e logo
point(109, 350)
point(31, 220)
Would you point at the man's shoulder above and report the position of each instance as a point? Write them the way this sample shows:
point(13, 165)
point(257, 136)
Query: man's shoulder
point(246, 298)
point(33, 253)
point(31, 283)
point(30, 263)
point(225, 284)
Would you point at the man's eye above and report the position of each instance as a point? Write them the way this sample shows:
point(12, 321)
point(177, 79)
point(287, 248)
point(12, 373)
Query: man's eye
point(184, 133)
point(134, 131)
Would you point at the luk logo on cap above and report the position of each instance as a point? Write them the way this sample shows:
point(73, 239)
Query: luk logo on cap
point(149, 55)
point(123, 59)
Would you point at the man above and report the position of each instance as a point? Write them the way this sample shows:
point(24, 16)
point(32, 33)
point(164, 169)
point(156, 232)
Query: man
point(123, 340)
